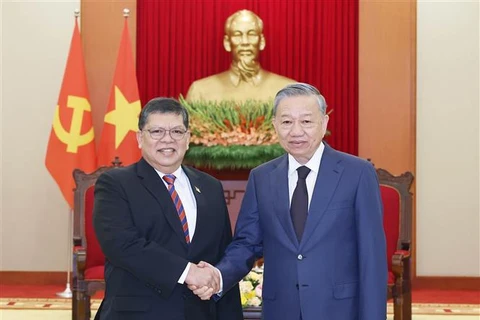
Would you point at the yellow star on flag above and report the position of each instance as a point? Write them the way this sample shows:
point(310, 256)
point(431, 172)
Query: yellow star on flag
point(124, 117)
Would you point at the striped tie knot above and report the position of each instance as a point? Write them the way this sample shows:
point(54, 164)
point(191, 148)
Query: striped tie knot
point(169, 179)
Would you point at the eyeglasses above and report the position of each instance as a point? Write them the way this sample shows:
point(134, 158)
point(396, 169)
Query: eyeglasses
point(159, 133)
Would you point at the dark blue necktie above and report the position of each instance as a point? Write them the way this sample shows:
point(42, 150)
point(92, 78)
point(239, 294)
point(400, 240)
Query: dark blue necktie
point(299, 206)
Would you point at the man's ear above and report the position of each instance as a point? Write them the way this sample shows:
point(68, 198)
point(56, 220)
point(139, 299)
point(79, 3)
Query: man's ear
point(325, 123)
point(226, 43)
point(274, 124)
point(262, 42)
point(139, 139)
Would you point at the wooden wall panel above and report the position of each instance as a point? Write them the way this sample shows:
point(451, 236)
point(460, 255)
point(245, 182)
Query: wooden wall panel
point(387, 82)
point(387, 88)
point(101, 27)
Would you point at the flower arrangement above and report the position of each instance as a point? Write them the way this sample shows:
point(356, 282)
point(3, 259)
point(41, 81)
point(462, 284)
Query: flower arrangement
point(231, 135)
point(228, 123)
point(251, 288)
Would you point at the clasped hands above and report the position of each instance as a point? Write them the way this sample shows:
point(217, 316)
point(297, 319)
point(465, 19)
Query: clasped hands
point(203, 279)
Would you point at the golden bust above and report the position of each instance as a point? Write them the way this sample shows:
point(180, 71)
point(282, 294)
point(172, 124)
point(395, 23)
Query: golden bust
point(245, 79)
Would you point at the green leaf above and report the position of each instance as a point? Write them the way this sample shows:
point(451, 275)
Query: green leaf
point(231, 157)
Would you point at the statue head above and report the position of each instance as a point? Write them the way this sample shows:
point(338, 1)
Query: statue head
point(244, 38)
point(245, 79)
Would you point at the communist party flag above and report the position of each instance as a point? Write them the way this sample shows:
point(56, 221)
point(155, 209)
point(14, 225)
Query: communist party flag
point(71, 144)
point(121, 119)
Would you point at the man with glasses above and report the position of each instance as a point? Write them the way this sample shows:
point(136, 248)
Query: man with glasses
point(155, 220)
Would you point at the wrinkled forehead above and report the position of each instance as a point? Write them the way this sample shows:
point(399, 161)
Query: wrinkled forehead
point(301, 105)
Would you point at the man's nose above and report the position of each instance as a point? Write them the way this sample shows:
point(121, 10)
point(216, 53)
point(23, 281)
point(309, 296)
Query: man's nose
point(167, 137)
point(244, 38)
point(297, 129)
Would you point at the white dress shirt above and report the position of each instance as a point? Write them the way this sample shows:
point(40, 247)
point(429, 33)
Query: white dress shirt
point(185, 192)
point(313, 164)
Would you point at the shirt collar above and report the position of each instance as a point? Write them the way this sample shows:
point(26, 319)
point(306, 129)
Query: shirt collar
point(313, 164)
point(179, 174)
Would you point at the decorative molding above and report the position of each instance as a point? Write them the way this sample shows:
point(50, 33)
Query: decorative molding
point(228, 175)
point(33, 277)
point(446, 283)
point(405, 178)
point(231, 195)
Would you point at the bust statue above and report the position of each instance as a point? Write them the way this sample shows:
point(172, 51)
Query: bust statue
point(245, 79)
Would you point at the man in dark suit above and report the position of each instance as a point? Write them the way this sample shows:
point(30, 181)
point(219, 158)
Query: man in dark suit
point(154, 220)
point(315, 215)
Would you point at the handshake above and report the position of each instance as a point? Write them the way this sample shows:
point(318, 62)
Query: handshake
point(203, 279)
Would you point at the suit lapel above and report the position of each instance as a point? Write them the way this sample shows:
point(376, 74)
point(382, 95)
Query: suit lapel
point(154, 184)
point(327, 180)
point(281, 199)
point(195, 184)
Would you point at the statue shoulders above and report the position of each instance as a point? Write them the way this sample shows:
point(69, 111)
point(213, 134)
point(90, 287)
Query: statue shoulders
point(206, 88)
point(220, 87)
point(280, 80)
point(214, 79)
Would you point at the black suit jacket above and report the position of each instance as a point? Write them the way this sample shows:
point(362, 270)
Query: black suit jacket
point(141, 236)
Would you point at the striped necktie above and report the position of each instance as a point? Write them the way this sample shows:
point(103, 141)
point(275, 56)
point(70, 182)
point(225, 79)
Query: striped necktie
point(170, 180)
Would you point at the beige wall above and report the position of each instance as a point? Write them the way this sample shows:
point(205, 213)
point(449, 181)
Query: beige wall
point(36, 37)
point(34, 215)
point(448, 212)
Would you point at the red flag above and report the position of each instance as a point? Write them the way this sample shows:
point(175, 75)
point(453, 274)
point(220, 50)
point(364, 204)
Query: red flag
point(121, 118)
point(71, 144)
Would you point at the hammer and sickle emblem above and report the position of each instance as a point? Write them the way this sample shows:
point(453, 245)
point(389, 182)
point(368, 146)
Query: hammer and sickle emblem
point(73, 138)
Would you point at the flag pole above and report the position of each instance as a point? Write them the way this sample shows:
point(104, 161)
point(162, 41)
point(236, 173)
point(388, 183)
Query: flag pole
point(67, 293)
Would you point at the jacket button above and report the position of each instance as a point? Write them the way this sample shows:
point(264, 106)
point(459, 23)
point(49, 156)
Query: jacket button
point(300, 257)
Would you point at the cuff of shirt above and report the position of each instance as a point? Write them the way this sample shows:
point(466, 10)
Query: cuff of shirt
point(219, 293)
point(182, 278)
